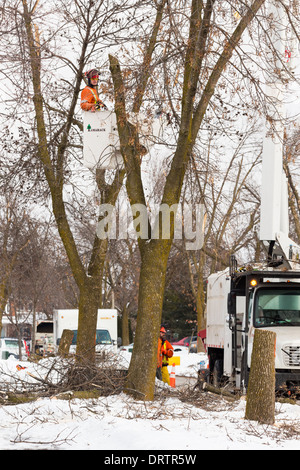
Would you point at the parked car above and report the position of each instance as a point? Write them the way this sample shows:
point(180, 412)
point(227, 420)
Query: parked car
point(180, 342)
point(185, 341)
point(128, 348)
point(178, 348)
point(10, 347)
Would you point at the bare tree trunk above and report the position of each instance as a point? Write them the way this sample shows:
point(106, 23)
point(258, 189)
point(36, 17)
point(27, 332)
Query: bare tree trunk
point(89, 284)
point(154, 253)
point(125, 326)
point(141, 374)
point(261, 388)
point(4, 295)
point(87, 323)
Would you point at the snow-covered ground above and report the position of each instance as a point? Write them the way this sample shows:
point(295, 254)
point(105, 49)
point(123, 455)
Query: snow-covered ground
point(121, 426)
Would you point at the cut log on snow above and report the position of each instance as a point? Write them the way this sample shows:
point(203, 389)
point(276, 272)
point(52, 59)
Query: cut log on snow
point(219, 391)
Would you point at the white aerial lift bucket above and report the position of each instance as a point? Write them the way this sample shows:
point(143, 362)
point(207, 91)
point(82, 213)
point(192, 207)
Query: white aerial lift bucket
point(101, 144)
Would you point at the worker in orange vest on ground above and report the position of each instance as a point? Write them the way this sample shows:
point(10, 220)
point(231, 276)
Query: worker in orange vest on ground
point(164, 352)
point(90, 100)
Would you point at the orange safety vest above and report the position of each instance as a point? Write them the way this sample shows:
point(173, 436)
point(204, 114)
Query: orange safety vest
point(89, 96)
point(165, 350)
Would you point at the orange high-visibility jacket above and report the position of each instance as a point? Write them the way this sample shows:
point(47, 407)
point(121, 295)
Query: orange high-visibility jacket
point(89, 98)
point(164, 351)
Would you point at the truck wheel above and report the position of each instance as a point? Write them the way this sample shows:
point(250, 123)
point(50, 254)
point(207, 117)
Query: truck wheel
point(217, 373)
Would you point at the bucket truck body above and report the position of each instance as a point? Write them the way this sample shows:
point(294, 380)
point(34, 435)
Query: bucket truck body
point(265, 295)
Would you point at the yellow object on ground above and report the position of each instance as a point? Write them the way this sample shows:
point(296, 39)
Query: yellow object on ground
point(174, 360)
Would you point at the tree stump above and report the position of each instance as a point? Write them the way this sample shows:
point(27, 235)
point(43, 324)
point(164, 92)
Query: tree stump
point(65, 342)
point(260, 404)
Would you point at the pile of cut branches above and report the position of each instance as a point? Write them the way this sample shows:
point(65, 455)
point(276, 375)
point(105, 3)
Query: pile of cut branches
point(56, 375)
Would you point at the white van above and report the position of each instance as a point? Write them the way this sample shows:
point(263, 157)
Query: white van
point(10, 347)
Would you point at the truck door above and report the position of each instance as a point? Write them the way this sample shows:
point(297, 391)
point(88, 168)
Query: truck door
point(237, 320)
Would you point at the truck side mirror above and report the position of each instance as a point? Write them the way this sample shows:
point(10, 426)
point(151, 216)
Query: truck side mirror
point(231, 308)
point(231, 304)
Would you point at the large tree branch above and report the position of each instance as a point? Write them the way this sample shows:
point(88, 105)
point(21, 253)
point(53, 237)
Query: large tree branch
point(190, 124)
point(199, 31)
point(54, 185)
point(109, 194)
point(145, 69)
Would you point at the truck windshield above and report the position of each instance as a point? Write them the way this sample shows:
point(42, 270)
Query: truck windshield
point(102, 337)
point(12, 343)
point(277, 307)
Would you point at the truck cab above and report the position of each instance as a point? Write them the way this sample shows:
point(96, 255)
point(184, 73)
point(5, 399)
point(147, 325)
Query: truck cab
point(274, 304)
point(246, 299)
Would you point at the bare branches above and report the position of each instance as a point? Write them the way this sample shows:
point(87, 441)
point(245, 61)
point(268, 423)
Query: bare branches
point(223, 60)
point(145, 69)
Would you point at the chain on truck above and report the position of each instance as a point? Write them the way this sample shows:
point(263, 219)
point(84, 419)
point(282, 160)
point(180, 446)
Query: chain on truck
point(265, 295)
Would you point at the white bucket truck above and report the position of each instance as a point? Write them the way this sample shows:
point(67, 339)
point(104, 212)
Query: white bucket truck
point(267, 296)
point(106, 332)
